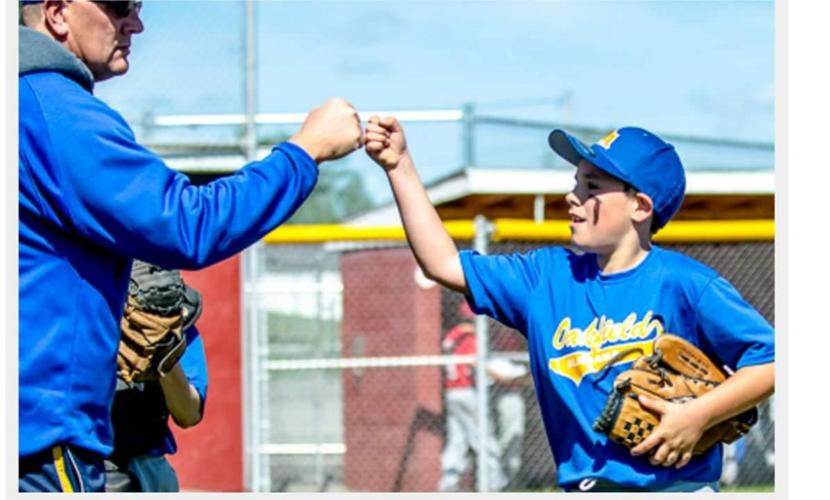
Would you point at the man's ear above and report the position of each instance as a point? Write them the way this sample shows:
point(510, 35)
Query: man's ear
point(54, 19)
point(644, 208)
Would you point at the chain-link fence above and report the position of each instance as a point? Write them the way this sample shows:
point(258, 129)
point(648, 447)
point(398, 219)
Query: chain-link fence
point(364, 368)
point(346, 382)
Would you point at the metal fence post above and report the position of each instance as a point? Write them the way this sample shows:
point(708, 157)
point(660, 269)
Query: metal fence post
point(251, 337)
point(319, 472)
point(468, 135)
point(480, 243)
point(249, 382)
point(539, 208)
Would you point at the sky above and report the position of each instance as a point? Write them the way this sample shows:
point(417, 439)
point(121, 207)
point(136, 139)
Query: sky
point(693, 67)
point(703, 68)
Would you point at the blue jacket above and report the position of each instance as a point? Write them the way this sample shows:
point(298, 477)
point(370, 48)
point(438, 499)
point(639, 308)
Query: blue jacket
point(90, 199)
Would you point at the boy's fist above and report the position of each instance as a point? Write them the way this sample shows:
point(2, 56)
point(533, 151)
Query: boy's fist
point(385, 141)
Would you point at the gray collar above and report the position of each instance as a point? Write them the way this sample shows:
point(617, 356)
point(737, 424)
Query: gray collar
point(38, 53)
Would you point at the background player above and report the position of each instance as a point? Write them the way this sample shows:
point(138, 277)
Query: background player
point(141, 410)
point(462, 411)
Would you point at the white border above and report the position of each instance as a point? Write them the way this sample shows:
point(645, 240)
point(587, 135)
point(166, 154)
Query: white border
point(806, 242)
point(802, 237)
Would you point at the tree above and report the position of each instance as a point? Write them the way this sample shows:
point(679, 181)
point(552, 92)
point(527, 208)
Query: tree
point(339, 193)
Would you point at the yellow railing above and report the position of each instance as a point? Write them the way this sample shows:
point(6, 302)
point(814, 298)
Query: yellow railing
point(522, 229)
point(675, 232)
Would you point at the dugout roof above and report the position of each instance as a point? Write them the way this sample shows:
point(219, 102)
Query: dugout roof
point(517, 193)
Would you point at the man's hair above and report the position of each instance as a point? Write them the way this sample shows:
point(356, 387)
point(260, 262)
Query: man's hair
point(30, 15)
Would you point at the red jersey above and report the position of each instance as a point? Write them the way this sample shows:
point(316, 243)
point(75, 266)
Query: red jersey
point(460, 340)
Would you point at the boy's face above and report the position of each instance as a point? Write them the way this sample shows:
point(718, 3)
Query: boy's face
point(600, 209)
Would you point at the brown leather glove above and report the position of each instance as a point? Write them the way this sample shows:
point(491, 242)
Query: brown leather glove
point(677, 372)
point(152, 328)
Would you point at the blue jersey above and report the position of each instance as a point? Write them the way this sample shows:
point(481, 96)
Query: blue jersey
point(91, 199)
point(576, 319)
point(194, 365)
point(140, 417)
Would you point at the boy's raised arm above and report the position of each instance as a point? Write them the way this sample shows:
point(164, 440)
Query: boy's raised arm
point(433, 247)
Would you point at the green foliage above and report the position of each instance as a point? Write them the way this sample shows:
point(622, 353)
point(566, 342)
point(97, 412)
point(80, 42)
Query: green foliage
point(339, 193)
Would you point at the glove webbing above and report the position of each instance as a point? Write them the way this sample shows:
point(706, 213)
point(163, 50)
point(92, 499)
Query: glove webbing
point(142, 335)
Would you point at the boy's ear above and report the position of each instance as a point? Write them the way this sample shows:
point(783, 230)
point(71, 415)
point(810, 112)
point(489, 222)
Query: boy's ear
point(644, 209)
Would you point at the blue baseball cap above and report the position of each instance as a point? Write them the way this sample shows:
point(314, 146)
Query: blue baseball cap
point(636, 157)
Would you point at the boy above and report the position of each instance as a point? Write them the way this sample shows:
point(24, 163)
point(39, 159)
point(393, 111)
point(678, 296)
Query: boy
point(618, 291)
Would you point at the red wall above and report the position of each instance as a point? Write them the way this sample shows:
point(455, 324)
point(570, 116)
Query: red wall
point(383, 407)
point(392, 415)
point(210, 454)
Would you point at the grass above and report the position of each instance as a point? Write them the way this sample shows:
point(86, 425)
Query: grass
point(757, 488)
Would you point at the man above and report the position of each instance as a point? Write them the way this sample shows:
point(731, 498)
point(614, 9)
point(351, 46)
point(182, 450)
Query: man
point(90, 200)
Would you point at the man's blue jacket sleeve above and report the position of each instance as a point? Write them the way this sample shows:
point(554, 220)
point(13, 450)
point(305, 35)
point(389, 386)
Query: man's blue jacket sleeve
point(92, 178)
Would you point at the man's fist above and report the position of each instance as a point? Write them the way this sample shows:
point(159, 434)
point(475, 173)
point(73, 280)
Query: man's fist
point(330, 131)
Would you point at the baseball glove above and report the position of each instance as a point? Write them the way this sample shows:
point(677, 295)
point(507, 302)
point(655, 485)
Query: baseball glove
point(192, 307)
point(677, 372)
point(152, 327)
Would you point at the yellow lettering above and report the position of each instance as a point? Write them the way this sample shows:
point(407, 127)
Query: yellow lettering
point(612, 331)
point(572, 337)
point(624, 330)
point(656, 325)
point(593, 335)
point(564, 326)
point(609, 139)
point(641, 328)
point(578, 364)
point(601, 331)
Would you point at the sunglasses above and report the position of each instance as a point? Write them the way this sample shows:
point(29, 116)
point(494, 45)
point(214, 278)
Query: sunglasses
point(120, 8)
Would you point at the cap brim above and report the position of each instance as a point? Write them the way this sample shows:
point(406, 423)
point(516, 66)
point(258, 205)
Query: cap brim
point(573, 151)
point(569, 147)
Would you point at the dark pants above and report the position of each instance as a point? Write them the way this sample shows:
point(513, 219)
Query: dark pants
point(61, 469)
